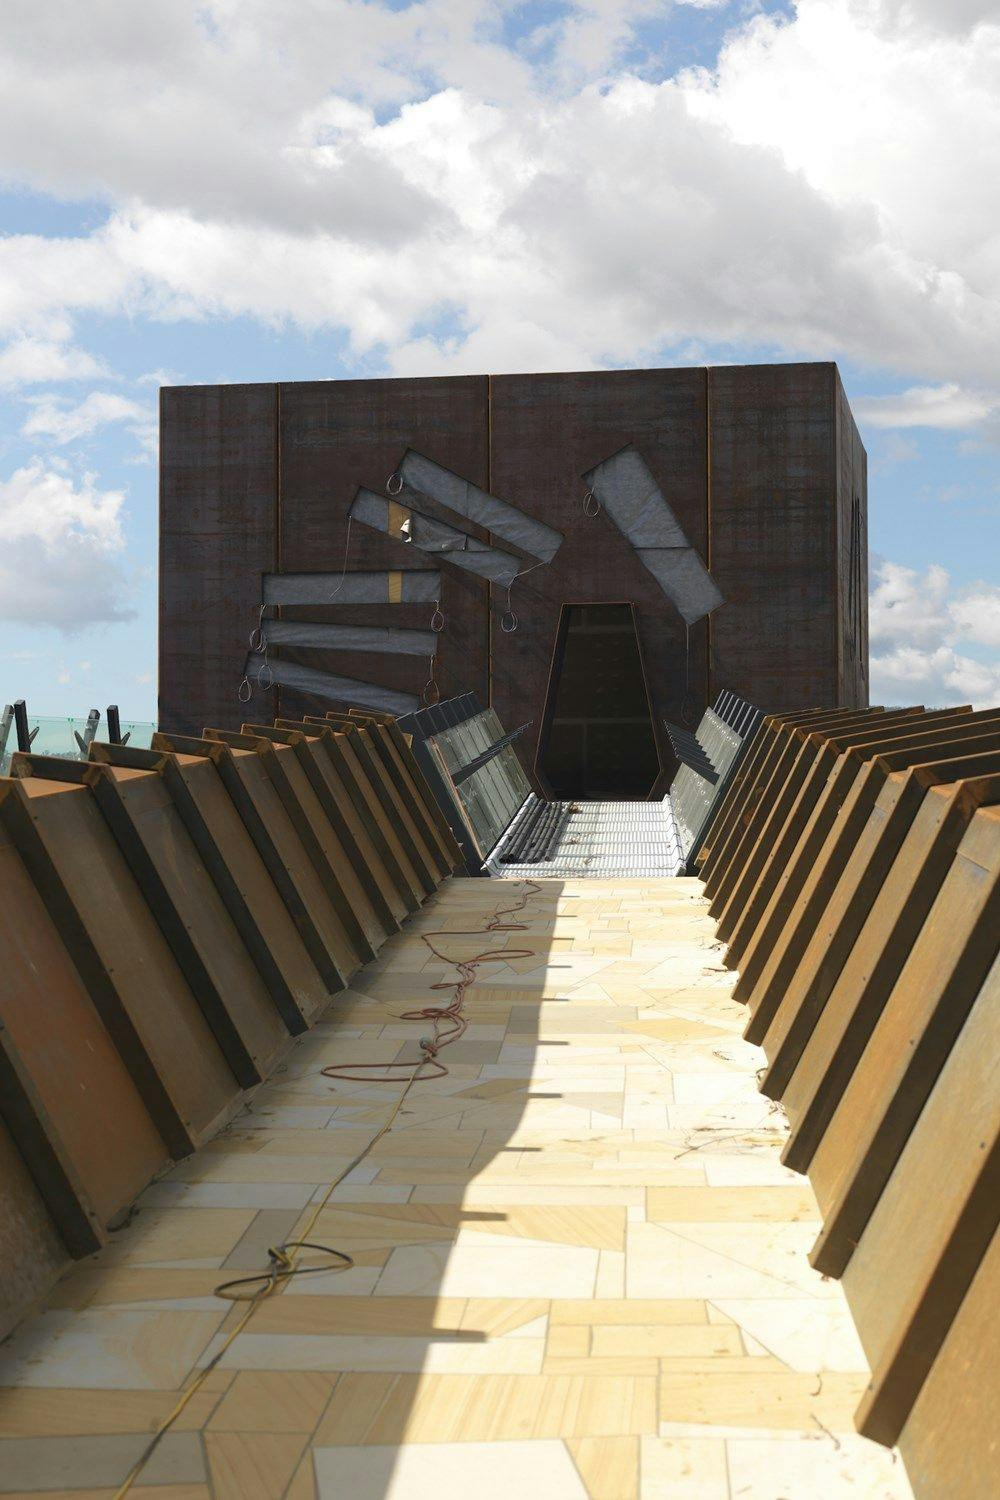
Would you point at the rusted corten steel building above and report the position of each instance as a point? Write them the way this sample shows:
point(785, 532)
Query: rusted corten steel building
point(756, 474)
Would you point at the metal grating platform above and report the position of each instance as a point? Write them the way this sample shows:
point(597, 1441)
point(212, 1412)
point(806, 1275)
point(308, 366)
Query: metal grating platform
point(601, 840)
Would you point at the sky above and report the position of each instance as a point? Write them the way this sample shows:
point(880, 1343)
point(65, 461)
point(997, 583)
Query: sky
point(241, 190)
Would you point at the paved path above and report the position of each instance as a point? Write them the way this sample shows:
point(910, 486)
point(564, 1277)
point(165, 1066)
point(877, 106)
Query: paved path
point(580, 1269)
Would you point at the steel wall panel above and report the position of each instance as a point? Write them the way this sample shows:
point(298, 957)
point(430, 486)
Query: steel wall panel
point(95, 1117)
point(774, 533)
point(547, 431)
point(31, 1252)
point(149, 985)
point(218, 535)
point(245, 864)
point(157, 824)
point(337, 435)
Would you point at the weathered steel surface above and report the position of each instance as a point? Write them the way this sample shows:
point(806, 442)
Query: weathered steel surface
point(274, 835)
point(941, 1204)
point(300, 975)
point(761, 465)
point(150, 812)
point(764, 980)
point(951, 1447)
point(817, 795)
point(91, 1111)
point(909, 1043)
point(832, 1040)
point(799, 748)
point(337, 435)
point(31, 1250)
point(158, 1025)
point(801, 846)
point(218, 534)
point(324, 832)
point(774, 531)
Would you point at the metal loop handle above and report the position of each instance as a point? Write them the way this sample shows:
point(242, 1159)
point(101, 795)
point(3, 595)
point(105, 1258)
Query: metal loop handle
point(512, 617)
point(244, 697)
point(591, 504)
point(394, 479)
point(265, 667)
point(437, 620)
point(257, 642)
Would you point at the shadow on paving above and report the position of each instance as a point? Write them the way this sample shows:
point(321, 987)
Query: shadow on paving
point(348, 1363)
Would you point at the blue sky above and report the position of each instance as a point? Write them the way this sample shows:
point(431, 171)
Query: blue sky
point(198, 193)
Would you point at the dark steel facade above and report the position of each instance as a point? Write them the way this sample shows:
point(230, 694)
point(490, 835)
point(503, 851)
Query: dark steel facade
point(762, 465)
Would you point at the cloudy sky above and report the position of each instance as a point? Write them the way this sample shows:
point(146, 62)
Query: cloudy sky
point(214, 190)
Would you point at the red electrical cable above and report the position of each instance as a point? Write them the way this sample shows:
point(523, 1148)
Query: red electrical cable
point(448, 1021)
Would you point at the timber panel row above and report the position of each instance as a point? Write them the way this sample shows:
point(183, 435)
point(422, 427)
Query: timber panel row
point(171, 919)
point(854, 872)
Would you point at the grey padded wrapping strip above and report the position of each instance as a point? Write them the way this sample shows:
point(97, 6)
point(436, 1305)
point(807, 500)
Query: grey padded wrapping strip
point(436, 538)
point(417, 586)
point(328, 685)
point(628, 492)
point(467, 499)
point(349, 637)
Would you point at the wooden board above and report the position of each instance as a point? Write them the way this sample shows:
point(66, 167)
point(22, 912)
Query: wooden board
point(909, 1044)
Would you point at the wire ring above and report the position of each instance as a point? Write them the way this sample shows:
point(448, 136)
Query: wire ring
point(437, 620)
point(257, 634)
point(591, 504)
point(431, 693)
point(245, 697)
point(265, 667)
point(396, 479)
point(512, 617)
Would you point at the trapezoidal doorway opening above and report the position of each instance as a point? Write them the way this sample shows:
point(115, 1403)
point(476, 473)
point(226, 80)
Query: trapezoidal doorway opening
point(597, 740)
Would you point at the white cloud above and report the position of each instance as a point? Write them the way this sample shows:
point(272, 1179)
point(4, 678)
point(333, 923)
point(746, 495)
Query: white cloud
point(33, 361)
point(831, 189)
point(54, 417)
point(60, 543)
point(944, 406)
point(918, 625)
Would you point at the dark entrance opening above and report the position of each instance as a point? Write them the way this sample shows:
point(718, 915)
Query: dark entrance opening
point(597, 739)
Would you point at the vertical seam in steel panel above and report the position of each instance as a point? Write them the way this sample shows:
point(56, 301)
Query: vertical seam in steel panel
point(708, 526)
point(489, 537)
point(838, 625)
point(277, 515)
